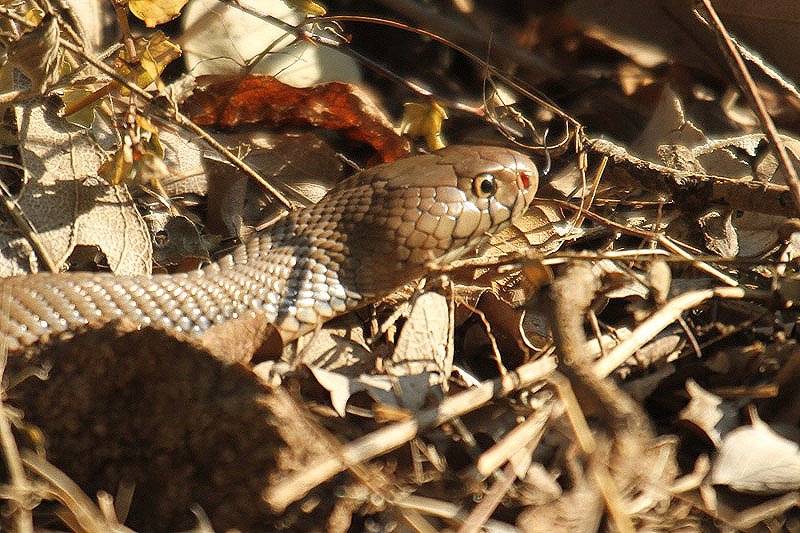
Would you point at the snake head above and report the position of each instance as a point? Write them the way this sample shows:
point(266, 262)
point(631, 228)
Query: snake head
point(425, 211)
point(467, 193)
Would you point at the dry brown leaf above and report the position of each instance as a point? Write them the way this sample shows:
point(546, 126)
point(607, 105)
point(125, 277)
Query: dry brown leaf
point(302, 165)
point(228, 101)
point(67, 204)
point(248, 338)
point(36, 52)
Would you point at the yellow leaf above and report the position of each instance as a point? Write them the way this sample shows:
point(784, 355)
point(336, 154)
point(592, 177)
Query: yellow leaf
point(155, 12)
point(118, 168)
point(154, 55)
point(424, 120)
point(34, 16)
point(84, 117)
point(309, 7)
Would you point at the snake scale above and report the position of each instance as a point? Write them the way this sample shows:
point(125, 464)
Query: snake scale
point(372, 233)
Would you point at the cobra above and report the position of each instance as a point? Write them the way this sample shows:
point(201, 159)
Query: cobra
point(373, 232)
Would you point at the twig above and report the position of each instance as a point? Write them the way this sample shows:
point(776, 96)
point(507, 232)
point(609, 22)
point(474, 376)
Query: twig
point(566, 301)
point(22, 515)
point(16, 212)
point(667, 243)
point(442, 509)
point(87, 515)
point(483, 511)
point(516, 439)
point(388, 438)
point(748, 86)
point(701, 189)
point(665, 316)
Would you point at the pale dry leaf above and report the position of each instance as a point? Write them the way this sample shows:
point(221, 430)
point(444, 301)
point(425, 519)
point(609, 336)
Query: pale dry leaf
point(625, 285)
point(756, 459)
point(340, 387)
point(724, 157)
point(424, 342)
point(65, 201)
point(768, 168)
point(219, 39)
point(340, 346)
point(753, 233)
point(302, 165)
point(667, 125)
point(703, 411)
point(408, 392)
point(757, 232)
point(155, 12)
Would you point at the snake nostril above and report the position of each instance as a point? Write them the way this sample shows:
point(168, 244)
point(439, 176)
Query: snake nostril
point(525, 176)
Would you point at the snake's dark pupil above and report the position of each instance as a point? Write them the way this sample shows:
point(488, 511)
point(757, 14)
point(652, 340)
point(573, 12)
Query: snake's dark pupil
point(487, 186)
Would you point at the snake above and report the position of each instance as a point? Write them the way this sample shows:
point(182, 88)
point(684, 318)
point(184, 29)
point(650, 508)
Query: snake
point(372, 233)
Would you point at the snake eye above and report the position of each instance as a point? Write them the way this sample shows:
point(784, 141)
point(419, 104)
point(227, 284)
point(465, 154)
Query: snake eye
point(484, 185)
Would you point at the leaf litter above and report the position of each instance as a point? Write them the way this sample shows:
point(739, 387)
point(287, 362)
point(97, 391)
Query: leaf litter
point(622, 358)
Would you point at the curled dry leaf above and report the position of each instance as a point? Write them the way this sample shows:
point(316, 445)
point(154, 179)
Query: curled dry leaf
point(405, 392)
point(227, 101)
point(155, 12)
point(36, 53)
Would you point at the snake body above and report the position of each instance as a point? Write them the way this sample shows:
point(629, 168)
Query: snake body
point(372, 233)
